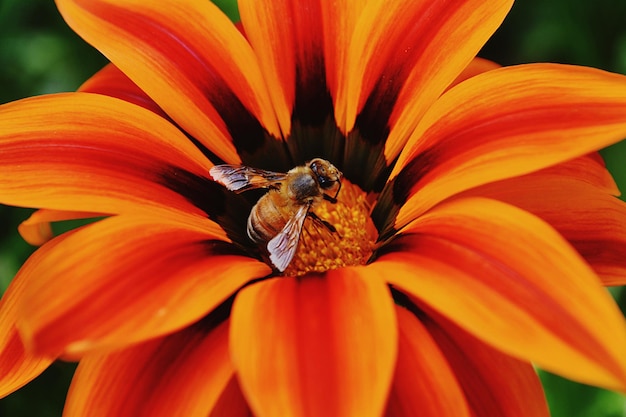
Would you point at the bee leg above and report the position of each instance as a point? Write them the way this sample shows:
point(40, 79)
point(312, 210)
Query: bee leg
point(330, 199)
point(322, 222)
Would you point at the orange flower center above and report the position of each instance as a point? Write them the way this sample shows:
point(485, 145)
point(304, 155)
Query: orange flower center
point(320, 250)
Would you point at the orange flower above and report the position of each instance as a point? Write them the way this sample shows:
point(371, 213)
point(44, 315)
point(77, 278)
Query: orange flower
point(474, 227)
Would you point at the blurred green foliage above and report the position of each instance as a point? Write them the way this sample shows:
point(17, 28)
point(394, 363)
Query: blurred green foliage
point(39, 54)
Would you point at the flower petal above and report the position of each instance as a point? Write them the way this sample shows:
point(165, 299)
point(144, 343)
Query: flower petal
point(183, 374)
point(87, 152)
point(268, 29)
point(424, 384)
point(303, 47)
point(509, 279)
point(126, 279)
point(476, 67)
point(231, 403)
point(339, 20)
point(402, 57)
point(574, 199)
point(112, 82)
point(495, 384)
point(190, 59)
point(17, 365)
point(315, 346)
point(501, 124)
point(37, 230)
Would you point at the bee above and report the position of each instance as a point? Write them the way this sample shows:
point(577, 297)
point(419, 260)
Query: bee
point(278, 216)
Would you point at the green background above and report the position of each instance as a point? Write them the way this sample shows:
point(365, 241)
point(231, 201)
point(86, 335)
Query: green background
point(39, 54)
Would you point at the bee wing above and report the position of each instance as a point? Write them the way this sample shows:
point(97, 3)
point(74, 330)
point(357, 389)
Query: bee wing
point(240, 178)
point(283, 246)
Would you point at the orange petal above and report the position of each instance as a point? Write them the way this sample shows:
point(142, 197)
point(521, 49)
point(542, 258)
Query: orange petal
point(320, 345)
point(512, 281)
point(574, 200)
point(476, 67)
point(495, 384)
point(402, 57)
point(504, 123)
point(18, 366)
point(274, 45)
point(424, 384)
point(37, 229)
point(126, 279)
point(110, 81)
point(190, 59)
point(183, 374)
point(87, 152)
point(339, 20)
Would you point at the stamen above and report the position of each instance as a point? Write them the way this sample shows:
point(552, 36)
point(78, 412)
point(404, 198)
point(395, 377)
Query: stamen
point(321, 249)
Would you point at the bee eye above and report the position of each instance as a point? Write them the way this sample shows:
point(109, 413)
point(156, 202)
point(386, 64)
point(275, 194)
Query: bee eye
point(319, 171)
point(317, 167)
point(325, 182)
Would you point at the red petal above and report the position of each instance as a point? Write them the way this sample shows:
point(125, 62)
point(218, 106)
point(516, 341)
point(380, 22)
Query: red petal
point(112, 82)
point(17, 365)
point(190, 59)
point(512, 281)
point(180, 375)
point(505, 123)
point(494, 384)
point(423, 385)
point(315, 346)
point(574, 198)
point(231, 403)
point(127, 279)
point(87, 152)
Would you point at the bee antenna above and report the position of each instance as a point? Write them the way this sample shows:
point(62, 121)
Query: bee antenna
point(338, 188)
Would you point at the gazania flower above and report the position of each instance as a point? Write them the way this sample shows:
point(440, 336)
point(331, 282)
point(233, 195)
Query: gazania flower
point(471, 236)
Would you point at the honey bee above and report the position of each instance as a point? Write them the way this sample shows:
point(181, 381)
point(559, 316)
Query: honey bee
point(278, 216)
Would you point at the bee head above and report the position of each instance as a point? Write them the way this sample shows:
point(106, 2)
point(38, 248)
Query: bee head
point(325, 172)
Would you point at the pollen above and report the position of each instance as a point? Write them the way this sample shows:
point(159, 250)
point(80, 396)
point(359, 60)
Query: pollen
point(351, 243)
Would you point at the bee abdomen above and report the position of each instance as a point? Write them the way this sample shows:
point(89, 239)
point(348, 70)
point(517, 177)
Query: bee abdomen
point(265, 220)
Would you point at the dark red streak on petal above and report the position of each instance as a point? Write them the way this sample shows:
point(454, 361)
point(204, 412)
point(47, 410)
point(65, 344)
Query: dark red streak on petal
point(105, 159)
point(112, 82)
point(494, 274)
point(472, 134)
point(373, 119)
point(226, 208)
point(478, 393)
point(247, 133)
point(313, 129)
point(11, 350)
point(398, 190)
point(162, 267)
point(597, 252)
point(447, 344)
point(414, 171)
point(313, 104)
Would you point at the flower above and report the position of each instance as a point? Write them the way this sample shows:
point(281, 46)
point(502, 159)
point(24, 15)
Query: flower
point(474, 227)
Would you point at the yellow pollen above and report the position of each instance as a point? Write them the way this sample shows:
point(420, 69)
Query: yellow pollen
point(320, 250)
